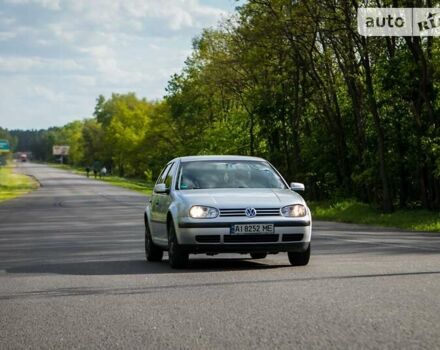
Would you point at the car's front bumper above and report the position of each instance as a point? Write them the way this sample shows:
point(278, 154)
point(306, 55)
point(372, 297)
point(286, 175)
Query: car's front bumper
point(215, 236)
point(246, 248)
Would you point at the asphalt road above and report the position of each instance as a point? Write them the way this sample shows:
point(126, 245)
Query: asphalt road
point(73, 275)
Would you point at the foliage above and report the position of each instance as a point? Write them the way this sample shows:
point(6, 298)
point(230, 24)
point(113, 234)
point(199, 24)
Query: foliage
point(291, 81)
point(130, 136)
point(347, 115)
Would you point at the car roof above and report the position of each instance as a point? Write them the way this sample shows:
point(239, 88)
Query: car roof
point(211, 158)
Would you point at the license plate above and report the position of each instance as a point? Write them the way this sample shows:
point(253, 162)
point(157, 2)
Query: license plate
point(252, 228)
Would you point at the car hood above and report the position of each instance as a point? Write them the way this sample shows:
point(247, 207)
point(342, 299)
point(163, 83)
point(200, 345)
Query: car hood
point(241, 197)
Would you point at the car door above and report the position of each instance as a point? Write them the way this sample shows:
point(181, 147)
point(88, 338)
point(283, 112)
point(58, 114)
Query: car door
point(158, 218)
point(165, 201)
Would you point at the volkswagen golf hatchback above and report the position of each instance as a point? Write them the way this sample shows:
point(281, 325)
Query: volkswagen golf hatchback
point(225, 204)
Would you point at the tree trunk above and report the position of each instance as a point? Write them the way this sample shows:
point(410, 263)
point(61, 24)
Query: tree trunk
point(387, 204)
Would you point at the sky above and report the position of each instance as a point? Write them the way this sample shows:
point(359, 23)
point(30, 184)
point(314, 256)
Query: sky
point(58, 56)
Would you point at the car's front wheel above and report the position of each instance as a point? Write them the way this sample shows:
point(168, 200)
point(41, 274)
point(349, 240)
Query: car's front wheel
point(152, 251)
point(258, 255)
point(177, 257)
point(299, 259)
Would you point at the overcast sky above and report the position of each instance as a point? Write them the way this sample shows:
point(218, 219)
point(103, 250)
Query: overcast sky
point(57, 56)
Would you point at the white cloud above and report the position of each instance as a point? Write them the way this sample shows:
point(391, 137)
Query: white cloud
point(176, 14)
point(5, 36)
point(16, 64)
point(7, 21)
point(49, 4)
point(106, 62)
point(62, 33)
point(48, 94)
point(44, 42)
point(85, 80)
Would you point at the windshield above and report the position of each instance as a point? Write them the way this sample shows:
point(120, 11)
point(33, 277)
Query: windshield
point(228, 174)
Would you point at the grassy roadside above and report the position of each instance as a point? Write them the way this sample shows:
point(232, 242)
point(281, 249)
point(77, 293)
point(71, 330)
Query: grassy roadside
point(13, 185)
point(359, 213)
point(138, 185)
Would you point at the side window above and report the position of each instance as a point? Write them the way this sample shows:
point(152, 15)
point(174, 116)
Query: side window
point(163, 174)
point(169, 178)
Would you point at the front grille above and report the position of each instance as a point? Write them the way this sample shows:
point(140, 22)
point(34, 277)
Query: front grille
point(292, 237)
point(208, 238)
point(250, 238)
point(242, 212)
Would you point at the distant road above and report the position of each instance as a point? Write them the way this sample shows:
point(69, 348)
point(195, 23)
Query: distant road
point(73, 275)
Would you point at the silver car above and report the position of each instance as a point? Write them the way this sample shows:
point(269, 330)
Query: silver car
point(225, 204)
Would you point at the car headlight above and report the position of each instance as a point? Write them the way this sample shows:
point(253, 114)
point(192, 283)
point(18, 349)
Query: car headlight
point(201, 212)
point(297, 210)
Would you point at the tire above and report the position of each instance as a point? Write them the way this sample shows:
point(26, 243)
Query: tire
point(152, 251)
point(177, 257)
point(258, 255)
point(299, 259)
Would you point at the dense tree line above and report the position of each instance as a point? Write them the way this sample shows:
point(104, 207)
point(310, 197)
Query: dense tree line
point(294, 82)
point(127, 134)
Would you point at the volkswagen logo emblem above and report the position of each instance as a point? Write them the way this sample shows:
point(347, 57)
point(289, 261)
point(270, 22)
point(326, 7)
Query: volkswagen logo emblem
point(250, 212)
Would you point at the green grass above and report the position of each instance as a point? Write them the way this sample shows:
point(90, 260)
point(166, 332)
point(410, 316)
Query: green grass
point(139, 185)
point(354, 212)
point(13, 185)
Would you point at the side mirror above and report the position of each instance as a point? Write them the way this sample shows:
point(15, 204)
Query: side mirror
point(161, 188)
point(297, 186)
